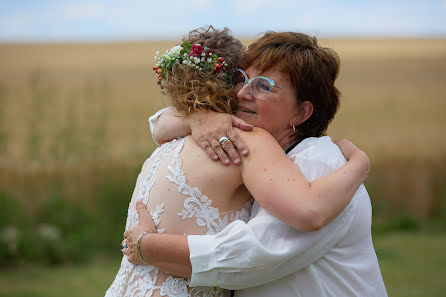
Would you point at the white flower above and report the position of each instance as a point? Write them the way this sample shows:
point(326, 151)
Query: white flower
point(48, 232)
point(175, 51)
point(203, 54)
point(209, 60)
point(185, 54)
point(157, 53)
point(10, 235)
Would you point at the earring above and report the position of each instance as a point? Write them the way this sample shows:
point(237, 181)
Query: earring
point(294, 128)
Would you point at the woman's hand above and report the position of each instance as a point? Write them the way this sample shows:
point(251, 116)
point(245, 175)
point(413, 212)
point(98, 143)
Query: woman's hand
point(131, 236)
point(352, 153)
point(209, 127)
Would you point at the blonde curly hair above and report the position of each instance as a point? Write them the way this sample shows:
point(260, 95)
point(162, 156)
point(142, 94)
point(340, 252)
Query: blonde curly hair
point(191, 89)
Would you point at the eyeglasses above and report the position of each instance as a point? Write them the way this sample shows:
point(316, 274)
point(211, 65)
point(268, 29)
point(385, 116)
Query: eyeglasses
point(259, 86)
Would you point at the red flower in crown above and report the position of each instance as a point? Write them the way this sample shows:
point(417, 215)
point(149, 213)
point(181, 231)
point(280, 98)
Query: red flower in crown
point(208, 52)
point(196, 50)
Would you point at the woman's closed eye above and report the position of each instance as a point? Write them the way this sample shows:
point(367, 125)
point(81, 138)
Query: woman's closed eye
point(263, 85)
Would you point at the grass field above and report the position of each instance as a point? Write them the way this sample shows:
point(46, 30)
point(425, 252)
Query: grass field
point(393, 98)
point(413, 265)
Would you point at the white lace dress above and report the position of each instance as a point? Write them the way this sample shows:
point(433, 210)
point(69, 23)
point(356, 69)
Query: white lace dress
point(176, 208)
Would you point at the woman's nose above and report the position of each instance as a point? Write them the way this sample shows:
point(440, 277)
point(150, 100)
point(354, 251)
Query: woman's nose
point(245, 93)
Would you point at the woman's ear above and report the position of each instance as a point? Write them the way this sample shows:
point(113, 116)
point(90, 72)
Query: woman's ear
point(305, 112)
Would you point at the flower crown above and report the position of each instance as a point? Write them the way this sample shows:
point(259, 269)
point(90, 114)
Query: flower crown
point(195, 56)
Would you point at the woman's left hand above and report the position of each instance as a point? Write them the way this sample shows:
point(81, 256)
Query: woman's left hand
point(131, 235)
point(351, 151)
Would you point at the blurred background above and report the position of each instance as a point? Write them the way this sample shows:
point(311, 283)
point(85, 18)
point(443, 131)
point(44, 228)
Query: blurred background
point(77, 88)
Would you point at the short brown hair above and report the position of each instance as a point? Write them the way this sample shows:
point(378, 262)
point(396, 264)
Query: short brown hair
point(312, 70)
point(191, 89)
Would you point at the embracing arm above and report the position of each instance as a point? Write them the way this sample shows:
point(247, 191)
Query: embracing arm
point(169, 252)
point(243, 254)
point(165, 126)
point(280, 187)
point(207, 128)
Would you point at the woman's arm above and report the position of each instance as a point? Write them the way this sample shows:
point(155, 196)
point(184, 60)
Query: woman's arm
point(260, 259)
point(207, 128)
point(169, 252)
point(168, 127)
point(279, 186)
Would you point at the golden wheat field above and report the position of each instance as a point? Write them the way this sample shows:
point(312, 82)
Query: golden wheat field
point(67, 106)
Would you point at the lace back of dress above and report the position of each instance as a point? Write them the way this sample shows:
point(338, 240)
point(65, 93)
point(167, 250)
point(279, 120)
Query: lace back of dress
point(177, 208)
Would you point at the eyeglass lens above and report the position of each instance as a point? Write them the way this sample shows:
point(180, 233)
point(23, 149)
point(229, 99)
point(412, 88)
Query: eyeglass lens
point(259, 86)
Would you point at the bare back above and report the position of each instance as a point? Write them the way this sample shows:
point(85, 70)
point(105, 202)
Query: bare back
point(186, 193)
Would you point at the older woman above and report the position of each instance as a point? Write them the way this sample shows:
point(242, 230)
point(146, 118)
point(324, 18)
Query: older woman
point(287, 88)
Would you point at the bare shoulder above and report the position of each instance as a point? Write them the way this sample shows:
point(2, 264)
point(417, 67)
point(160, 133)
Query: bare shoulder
point(256, 135)
point(259, 139)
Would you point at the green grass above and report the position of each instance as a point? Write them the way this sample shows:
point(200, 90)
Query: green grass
point(91, 279)
point(412, 264)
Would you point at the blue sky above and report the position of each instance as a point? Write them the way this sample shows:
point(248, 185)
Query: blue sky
point(95, 20)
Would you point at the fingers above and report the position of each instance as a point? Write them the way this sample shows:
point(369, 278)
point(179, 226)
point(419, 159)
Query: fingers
point(207, 148)
point(347, 148)
point(241, 124)
point(238, 142)
point(219, 151)
point(229, 148)
point(132, 254)
point(141, 209)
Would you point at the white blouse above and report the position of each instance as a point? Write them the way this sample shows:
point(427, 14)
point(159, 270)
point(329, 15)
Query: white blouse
point(266, 257)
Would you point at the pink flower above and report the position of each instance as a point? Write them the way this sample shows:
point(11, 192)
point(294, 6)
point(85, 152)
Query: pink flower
point(196, 50)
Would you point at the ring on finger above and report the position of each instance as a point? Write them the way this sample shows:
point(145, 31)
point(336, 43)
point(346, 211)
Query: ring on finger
point(124, 243)
point(223, 140)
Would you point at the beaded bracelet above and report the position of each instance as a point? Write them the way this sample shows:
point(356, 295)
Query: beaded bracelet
point(138, 246)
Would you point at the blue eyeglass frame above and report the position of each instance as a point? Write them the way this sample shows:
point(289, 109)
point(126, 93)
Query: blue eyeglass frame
point(249, 81)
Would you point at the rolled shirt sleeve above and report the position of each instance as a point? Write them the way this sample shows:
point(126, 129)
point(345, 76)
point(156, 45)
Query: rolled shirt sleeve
point(265, 249)
point(152, 122)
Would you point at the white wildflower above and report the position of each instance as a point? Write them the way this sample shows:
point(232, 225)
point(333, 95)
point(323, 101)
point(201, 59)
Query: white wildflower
point(48, 232)
point(10, 236)
point(157, 53)
point(203, 54)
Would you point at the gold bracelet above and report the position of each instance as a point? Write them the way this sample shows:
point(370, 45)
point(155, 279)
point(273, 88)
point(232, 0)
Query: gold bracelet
point(138, 246)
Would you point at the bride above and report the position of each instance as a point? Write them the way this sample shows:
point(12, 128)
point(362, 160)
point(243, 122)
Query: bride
point(187, 193)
